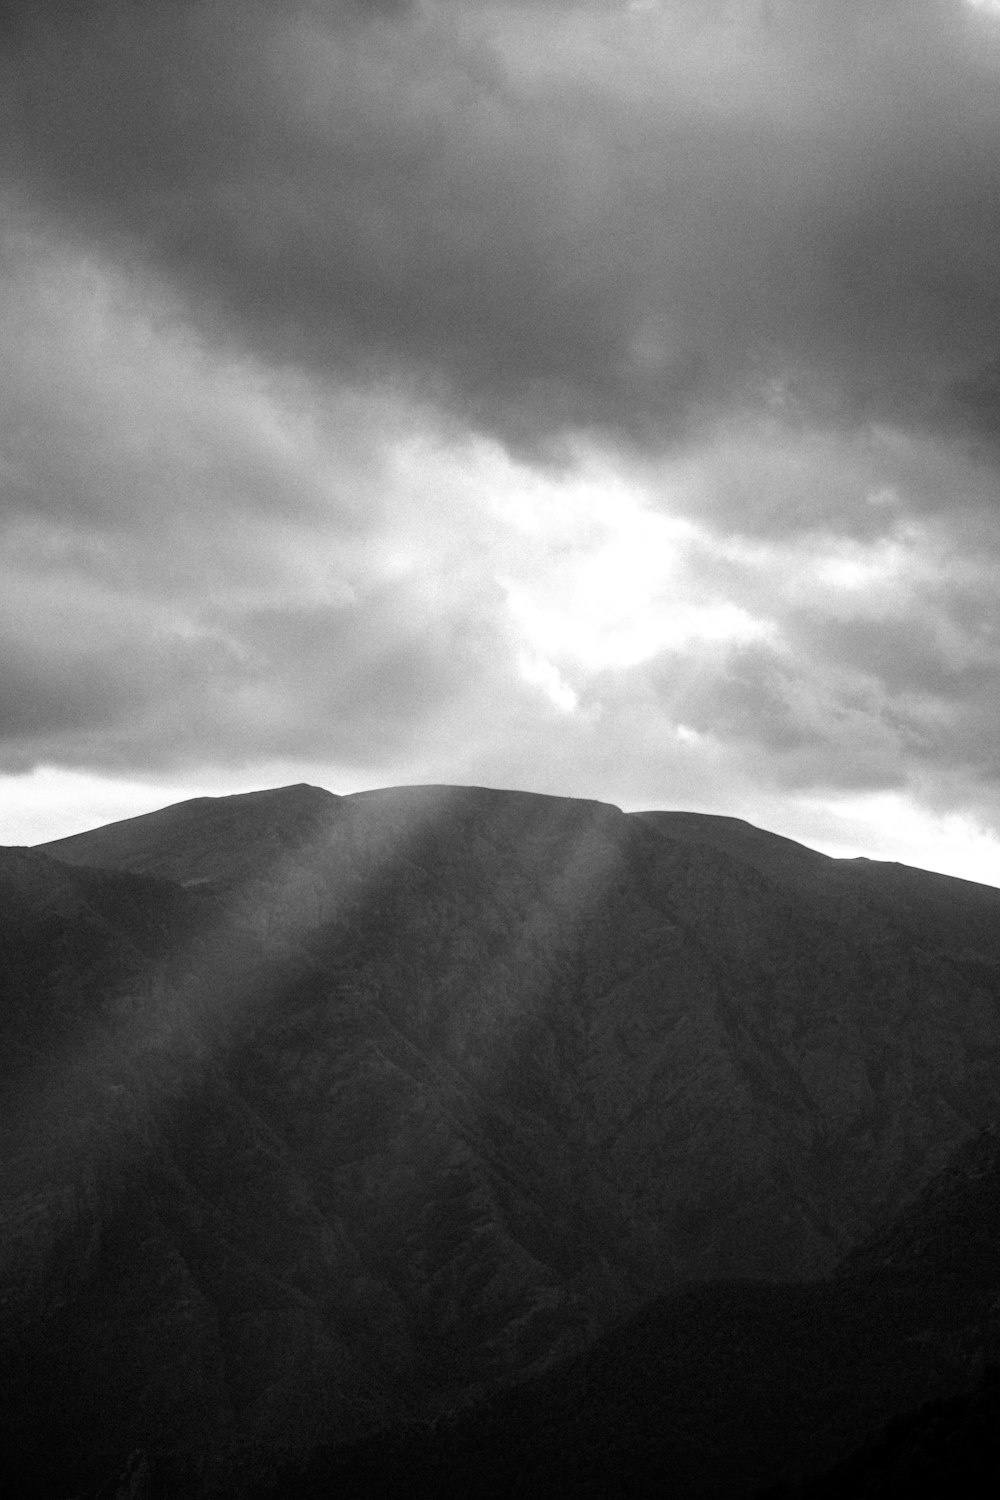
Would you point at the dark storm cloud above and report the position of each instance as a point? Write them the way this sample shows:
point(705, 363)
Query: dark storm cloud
point(893, 687)
point(909, 656)
point(113, 701)
point(552, 216)
point(135, 456)
point(362, 681)
point(40, 699)
point(929, 672)
point(271, 271)
point(750, 697)
point(161, 505)
point(357, 684)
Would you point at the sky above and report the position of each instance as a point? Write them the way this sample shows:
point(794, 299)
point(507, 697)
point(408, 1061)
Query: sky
point(588, 397)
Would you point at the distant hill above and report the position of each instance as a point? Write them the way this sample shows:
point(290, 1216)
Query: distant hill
point(324, 1112)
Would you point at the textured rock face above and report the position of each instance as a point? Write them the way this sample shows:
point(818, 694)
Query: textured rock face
point(884, 1376)
point(326, 1109)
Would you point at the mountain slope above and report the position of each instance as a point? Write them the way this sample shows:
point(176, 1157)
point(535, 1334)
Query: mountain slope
point(361, 1105)
point(728, 1387)
point(219, 842)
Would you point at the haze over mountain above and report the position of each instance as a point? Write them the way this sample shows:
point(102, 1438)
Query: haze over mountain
point(327, 1111)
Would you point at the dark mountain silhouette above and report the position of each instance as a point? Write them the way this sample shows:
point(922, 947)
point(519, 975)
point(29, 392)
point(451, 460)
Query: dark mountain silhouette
point(323, 1113)
point(742, 1388)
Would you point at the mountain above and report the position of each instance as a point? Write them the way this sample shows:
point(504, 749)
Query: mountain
point(323, 1112)
point(881, 1380)
point(221, 842)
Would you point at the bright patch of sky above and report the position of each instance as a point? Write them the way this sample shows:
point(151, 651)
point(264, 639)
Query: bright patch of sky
point(892, 826)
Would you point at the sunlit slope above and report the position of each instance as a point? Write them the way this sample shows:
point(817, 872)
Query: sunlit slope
point(411, 1091)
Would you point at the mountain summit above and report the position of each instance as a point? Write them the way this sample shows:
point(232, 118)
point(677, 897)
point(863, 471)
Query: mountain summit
point(208, 839)
point(329, 1110)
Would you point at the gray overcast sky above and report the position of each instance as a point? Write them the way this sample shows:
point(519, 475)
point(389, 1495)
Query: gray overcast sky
point(587, 396)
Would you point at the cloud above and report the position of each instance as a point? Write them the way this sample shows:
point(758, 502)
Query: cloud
point(598, 397)
point(196, 557)
point(548, 217)
point(364, 682)
point(118, 419)
point(108, 678)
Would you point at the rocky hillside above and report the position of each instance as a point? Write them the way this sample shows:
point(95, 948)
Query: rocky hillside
point(882, 1380)
point(323, 1111)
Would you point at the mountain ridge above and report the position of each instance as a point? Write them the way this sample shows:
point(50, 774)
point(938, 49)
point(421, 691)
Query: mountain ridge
point(733, 836)
point(415, 1092)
